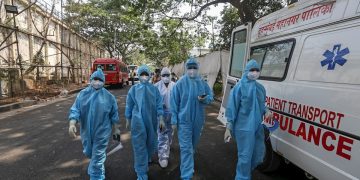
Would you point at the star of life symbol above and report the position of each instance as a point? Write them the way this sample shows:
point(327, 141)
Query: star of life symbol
point(335, 57)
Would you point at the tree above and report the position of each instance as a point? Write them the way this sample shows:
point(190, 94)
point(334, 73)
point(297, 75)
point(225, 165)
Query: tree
point(156, 28)
point(170, 45)
point(239, 12)
point(248, 10)
point(229, 20)
point(117, 25)
point(127, 27)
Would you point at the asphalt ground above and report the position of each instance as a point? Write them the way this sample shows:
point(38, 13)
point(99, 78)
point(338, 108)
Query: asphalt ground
point(34, 144)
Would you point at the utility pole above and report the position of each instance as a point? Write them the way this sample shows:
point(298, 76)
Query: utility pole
point(61, 41)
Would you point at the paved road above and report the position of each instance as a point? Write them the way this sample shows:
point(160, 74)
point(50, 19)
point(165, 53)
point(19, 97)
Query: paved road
point(34, 144)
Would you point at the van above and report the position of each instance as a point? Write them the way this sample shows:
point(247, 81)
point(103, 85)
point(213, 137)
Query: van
point(309, 55)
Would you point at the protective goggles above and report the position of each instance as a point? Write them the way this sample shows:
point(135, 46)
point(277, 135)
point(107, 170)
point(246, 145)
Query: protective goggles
point(192, 67)
point(97, 79)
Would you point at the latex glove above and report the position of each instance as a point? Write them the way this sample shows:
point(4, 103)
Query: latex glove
point(127, 126)
point(72, 128)
point(268, 116)
point(116, 132)
point(161, 123)
point(227, 135)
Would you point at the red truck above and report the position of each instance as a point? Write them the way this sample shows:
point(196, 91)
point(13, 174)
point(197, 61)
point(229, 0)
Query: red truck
point(116, 71)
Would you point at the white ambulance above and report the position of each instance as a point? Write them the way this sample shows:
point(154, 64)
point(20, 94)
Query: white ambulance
point(309, 54)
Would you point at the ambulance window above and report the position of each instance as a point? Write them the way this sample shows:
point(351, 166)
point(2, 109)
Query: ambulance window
point(238, 53)
point(273, 58)
point(111, 67)
point(258, 54)
point(101, 66)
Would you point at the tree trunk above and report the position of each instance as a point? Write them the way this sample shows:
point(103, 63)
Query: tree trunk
point(246, 13)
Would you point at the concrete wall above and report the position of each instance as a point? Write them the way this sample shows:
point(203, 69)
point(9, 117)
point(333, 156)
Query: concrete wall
point(62, 47)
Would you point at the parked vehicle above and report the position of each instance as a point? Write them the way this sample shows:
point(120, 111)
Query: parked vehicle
point(116, 71)
point(309, 54)
point(133, 68)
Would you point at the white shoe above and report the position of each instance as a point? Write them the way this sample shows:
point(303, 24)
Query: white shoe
point(163, 163)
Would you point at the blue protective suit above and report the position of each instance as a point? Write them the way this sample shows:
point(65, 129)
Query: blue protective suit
point(96, 111)
point(165, 136)
point(143, 107)
point(188, 114)
point(244, 112)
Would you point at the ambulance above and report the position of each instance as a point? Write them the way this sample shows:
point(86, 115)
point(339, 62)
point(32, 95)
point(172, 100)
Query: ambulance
point(309, 53)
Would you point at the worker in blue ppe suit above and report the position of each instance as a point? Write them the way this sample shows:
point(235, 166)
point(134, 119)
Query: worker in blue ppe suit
point(96, 110)
point(189, 97)
point(244, 113)
point(165, 135)
point(142, 112)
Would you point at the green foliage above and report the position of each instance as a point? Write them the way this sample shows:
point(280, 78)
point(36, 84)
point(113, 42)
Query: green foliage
point(116, 25)
point(127, 27)
point(264, 7)
point(231, 17)
point(155, 30)
point(169, 45)
point(217, 89)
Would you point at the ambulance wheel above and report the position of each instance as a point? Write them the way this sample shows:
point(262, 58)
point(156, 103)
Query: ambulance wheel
point(272, 160)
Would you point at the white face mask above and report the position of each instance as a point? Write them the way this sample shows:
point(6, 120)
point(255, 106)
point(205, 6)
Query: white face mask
point(165, 79)
point(144, 79)
point(192, 73)
point(253, 75)
point(97, 84)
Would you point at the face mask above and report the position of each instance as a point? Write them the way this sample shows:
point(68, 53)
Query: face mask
point(144, 79)
point(253, 75)
point(192, 73)
point(165, 79)
point(97, 84)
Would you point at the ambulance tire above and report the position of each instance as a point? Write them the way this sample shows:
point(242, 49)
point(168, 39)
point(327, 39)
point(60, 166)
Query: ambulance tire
point(272, 161)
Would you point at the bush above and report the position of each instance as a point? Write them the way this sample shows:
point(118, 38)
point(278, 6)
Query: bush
point(217, 89)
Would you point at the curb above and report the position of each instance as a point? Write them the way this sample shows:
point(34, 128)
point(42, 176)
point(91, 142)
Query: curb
point(26, 103)
point(76, 90)
point(17, 105)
